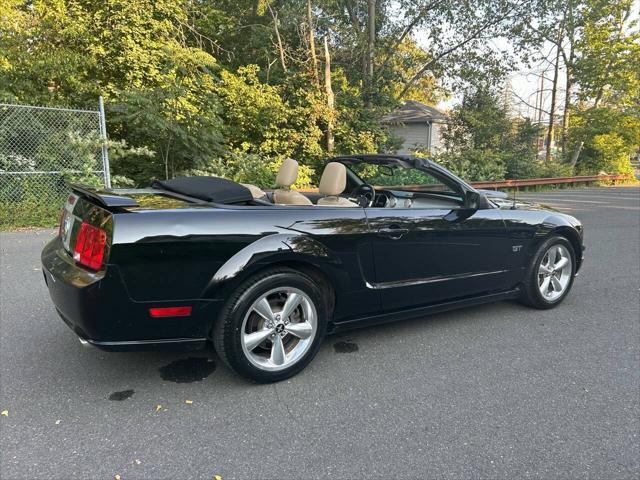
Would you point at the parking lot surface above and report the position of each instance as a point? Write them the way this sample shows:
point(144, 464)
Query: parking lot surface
point(497, 391)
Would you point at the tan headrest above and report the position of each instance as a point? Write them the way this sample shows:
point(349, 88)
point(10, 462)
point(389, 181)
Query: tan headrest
point(334, 179)
point(288, 173)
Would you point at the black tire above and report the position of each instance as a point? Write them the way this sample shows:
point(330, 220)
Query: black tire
point(531, 294)
point(227, 331)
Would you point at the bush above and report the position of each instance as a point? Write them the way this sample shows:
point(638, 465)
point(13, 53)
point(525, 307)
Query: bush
point(473, 165)
point(30, 213)
point(253, 168)
point(607, 153)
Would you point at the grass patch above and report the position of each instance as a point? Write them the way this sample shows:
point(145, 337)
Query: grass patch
point(14, 216)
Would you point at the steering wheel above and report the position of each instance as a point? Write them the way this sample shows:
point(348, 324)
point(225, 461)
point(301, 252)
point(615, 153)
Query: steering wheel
point(365, 191)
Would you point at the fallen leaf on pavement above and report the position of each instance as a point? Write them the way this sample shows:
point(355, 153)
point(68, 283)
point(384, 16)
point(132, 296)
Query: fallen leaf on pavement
point(158, 408)
point(5, 413)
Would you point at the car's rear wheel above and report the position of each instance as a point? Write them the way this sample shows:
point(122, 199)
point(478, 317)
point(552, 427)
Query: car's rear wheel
point(272, 325)
point(550, 274)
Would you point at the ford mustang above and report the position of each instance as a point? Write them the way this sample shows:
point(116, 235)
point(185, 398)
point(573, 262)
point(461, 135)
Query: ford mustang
point(266, 275)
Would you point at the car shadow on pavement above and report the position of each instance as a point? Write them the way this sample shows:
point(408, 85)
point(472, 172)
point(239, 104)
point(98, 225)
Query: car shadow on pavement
point(114, 371)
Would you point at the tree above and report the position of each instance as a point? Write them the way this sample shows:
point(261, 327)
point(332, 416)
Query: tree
point(212, 86)
point(597, 44)
point(312, 45)
point(606, 70)
point(330, 96)
point(483, 143)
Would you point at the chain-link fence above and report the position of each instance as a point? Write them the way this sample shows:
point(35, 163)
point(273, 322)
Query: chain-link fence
point(42, 148)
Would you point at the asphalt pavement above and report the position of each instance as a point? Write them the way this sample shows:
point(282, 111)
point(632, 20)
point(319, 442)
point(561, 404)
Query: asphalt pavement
point(497, 391)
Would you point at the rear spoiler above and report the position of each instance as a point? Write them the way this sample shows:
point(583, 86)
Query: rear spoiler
point(104, 198)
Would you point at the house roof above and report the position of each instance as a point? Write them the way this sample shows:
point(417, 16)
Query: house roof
point(414, 112)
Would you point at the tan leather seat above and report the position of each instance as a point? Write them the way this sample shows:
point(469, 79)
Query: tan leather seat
point(256, 192)
point(332, 184)
point(287, 176)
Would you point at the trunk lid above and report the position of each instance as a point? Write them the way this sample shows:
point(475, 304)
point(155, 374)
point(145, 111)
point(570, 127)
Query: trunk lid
point(87, 218)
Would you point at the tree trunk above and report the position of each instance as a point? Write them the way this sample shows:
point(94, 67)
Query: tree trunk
point(330, 97)
point(312, 46)
point(540, 105)
point(371, 48)
point(576, 153)
point(552, 110)
point(283, 63)
point(568, 64)
point(565, 114)
point(580, 144)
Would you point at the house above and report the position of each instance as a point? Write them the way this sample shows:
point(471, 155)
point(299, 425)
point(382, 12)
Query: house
point(418, 125)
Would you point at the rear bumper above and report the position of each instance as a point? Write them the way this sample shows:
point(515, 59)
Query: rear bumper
point(174, 344)
point(166, 344)
point(98, 308)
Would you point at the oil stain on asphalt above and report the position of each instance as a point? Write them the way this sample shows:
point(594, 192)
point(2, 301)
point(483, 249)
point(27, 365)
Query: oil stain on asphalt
point(120, 396)
point(345, 347)
point(187, 370)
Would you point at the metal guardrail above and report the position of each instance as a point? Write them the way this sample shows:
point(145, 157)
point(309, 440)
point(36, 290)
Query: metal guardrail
point(527, 182)
point(532, 182)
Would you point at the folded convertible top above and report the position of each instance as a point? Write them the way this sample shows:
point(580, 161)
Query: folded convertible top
point(209, 189)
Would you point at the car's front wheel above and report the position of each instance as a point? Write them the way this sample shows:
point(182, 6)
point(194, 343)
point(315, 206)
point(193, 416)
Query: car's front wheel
point(550, 274)
point(272, 325)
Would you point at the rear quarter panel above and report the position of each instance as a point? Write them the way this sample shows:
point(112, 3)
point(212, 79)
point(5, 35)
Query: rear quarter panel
point(204, 253)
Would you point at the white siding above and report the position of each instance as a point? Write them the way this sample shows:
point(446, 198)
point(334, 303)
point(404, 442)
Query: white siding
point(413, 134)
point(436, 138)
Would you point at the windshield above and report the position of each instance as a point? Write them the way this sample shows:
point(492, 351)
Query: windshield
point(400, 178)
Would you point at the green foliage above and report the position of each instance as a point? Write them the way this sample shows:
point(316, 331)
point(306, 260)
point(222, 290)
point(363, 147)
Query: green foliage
point(605, 130)
point(607, 153)
point(253, 168)
point(25, 200)
point(520, 153)
point(483, 143)
point(260, 119)
point(610, 137)
point(357, 129)
point(33, 213)
point(203, 87)
point(476, 136)
point(609, 49)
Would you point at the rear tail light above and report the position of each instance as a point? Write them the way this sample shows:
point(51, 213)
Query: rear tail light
point(90, 245)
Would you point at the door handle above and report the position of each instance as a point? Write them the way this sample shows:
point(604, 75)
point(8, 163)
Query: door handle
point(393, 232)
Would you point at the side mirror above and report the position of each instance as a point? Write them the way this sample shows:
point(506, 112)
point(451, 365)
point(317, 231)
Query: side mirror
point(472, 200)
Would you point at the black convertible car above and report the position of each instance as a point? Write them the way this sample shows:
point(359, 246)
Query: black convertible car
point(266, 275)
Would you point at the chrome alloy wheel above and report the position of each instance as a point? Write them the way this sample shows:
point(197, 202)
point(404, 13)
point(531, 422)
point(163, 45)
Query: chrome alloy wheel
point(279, 328)
point(554, 273)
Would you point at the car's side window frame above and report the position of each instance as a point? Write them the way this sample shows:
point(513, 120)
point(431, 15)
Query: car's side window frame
point(456, 189)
